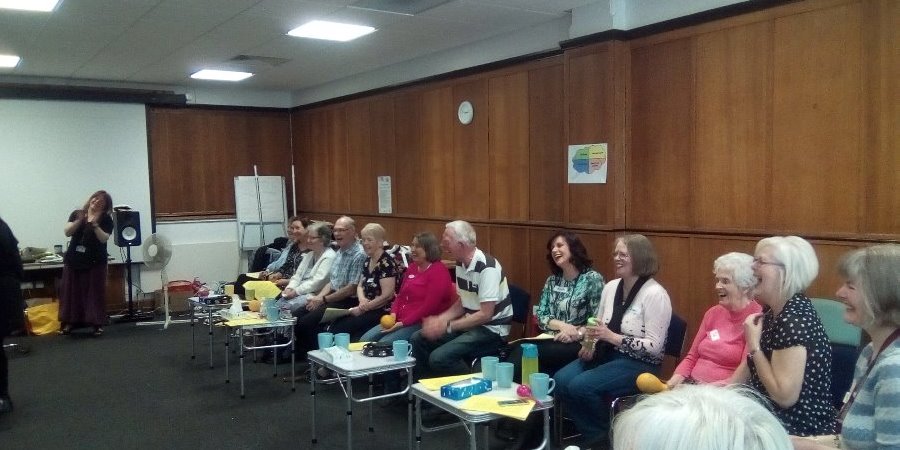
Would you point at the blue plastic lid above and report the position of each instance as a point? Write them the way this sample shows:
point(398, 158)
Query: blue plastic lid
point(529, 351)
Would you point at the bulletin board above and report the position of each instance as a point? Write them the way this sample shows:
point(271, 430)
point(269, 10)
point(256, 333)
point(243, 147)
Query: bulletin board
point(261, 213)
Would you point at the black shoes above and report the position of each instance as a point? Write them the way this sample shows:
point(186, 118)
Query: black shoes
point(6, 405)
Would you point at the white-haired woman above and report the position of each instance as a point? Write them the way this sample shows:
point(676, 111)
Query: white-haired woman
point(789, 356)
point(699, 417)
point(718, 347)
point(871, 291)
point(314, 269)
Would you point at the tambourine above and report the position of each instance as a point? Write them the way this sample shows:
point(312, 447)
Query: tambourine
point(378, 350)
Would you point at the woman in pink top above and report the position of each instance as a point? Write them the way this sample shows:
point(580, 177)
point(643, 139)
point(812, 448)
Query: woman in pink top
point(425, 291)
point(718, 347)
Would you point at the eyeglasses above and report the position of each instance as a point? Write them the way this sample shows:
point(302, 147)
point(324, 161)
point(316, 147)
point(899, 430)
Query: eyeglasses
point(759, 262)
point(340, 230)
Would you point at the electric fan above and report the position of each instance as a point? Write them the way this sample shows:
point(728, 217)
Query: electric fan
point(157, 253)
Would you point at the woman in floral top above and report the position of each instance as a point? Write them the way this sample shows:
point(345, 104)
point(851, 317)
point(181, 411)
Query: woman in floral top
point(376, 286)
point(570, 295)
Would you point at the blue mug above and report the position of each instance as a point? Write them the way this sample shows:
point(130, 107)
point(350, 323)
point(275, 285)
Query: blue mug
point(489, 367)
point(402, 350)
point(342, 340)
point(541, 386)
point(326, 340)
point(505, 374)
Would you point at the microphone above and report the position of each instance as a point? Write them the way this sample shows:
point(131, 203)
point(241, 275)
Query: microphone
point(650, 384)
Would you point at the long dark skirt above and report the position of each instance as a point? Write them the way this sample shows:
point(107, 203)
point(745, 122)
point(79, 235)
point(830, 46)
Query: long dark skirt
point(82, 298)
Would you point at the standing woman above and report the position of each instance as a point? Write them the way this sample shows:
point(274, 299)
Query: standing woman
point(570, 295)
point(871, 291)
point(82, 299)
point(633, 318)
point(789, 356)
point(11, 306)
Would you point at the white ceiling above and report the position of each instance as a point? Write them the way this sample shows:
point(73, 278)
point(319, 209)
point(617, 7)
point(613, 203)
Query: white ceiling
point(162, 42)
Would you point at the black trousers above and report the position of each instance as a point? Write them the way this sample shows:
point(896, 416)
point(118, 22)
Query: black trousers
point(4, 371)
point(307, 328)
point(552, 356)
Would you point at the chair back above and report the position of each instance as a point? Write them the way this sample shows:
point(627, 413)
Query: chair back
point(831, 313)
point(845, 339)
point(520, 300)
point(675, 337)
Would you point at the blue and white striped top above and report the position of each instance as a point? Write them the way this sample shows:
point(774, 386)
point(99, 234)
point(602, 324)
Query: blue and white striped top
point(873, 421)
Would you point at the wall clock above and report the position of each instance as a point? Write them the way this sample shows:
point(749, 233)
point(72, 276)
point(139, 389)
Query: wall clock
point(465, 112)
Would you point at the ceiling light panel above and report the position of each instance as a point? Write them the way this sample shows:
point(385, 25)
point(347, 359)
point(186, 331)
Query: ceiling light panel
point(220, 75)
point(332, 31)
point(9, 60)
point(29, 5)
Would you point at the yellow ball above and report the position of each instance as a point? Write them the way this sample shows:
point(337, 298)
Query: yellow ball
point(388, 321)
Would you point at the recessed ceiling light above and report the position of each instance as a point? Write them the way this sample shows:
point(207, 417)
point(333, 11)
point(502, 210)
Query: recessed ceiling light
point(30, 5)
point(9, 60)
point(332, 31)
point(220, 75)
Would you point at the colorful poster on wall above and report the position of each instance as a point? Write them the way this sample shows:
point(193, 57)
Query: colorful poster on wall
point(587, 163)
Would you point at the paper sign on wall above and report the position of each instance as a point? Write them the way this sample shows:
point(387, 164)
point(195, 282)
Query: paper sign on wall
point(587, 163)
point(384, 195)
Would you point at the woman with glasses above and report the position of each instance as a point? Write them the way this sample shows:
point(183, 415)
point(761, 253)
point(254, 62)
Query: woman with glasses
point(628, 339)
point(315, 266)
point(789, 356)
point(426, 290)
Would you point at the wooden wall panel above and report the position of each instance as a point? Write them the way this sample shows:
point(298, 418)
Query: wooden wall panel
point(546, 129)
point(439, 168)
point(659, 164)
point(371, 150)
point(471, 161)
point(816, 131)
point(509, 147)
point(195, 154)
point(506, 244)
point(359, 171)
point(414, 178)
point(881, 159)
point(590, 95)
point(732, 127)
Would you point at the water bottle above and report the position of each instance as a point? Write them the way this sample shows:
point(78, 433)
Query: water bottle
point(529, 362)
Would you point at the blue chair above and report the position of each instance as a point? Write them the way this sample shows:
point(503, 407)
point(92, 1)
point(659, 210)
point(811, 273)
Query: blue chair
point(845, 339)
point(520, 300)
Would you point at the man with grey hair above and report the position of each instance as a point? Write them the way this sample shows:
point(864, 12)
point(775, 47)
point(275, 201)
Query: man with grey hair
point(339, 292)
point(479, 320)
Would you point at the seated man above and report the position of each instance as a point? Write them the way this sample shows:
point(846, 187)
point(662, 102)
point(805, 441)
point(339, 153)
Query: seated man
point(339, 292)
point(473, 325)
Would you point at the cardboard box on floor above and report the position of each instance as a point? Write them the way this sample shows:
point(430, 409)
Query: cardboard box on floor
point(178, 300)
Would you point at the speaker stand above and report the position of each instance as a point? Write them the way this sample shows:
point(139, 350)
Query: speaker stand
point(131, 316)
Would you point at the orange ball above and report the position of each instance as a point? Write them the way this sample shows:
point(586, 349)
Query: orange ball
point(388, 321)
point(254, 305)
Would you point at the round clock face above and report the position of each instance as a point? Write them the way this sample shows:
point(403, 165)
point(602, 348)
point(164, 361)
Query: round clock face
point(465, 112)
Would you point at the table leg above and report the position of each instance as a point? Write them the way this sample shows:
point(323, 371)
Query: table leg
point(312, 393)
point(349, 414)
point(293, 370)
point(371, 394)
point(487, 435)
point(545, 443)
point(241, 359)
point(473, 438)
point(193, 318)
point(409, 406)
point(227, 350)
point(418, 422)
point(210, 322)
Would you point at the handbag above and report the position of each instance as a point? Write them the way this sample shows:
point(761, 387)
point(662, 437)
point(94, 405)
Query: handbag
point(43, 319)
point(378, 349)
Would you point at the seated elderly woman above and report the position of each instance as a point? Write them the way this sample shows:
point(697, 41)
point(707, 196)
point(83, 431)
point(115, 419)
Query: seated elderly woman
point(426, 290)
point(871, 291)
point(789, 355)
point(633, 318)
point(699, 417)
point(282, 269)
point(314, 269)
point(376, 286)
point(718, 347)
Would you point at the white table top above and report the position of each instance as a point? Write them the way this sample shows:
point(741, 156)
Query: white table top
point(453, 406)
point(359, 364)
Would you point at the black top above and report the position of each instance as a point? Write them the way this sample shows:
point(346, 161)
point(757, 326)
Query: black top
point(798, 324)
point(85, 250)
point(11, 305)
point(385, 267)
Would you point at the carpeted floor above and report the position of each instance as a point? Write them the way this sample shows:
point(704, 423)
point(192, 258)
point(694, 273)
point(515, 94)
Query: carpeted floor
point(137, 387)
